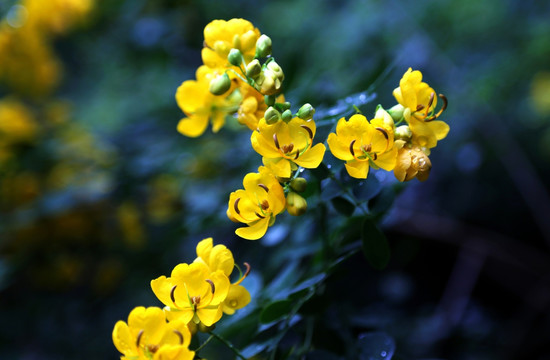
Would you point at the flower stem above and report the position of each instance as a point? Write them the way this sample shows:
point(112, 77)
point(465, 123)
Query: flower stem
point(229, 345)
point(204, 343)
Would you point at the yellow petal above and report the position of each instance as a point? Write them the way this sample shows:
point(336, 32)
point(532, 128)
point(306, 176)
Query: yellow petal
point(204, 247)
point(387, 160)
point(358, 169)
point(174, 352)
point(264, 146)
point(338, 148)
point(191, 96)
point(221, 287)
point(193, 126)
point(161, 288)
point(221, 258)
point(255, 231)
point(123, 340)
point(209, 316)
point(279, 166)
point(312, 157)
point(439, 128)
point(237, 298)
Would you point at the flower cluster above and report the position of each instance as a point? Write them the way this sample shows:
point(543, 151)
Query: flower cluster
point(381, 143)
point(195, 296)
point(241, 77)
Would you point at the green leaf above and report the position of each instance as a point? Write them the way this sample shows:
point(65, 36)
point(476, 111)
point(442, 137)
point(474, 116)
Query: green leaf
point(367, 189)
point(275, 311)
point(330, 189)
point(321, 172)
point(383, 201)
point(375, 245)
point(343, 206)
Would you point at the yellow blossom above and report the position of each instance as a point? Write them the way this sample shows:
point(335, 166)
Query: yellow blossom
point(284, 144)
point(17, 124)
point(412, 162)
point(419, 101)
point(200, 105)
point(362, 143)
point(219, 257)
point(193, 292)
point(147, 335)
point(221, 36)
point(257, 205)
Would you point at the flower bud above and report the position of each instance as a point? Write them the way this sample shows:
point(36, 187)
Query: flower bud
point(286, 115)
point(295, 204)
point(277, 70)
point(384, 115)
point(271, 115)
point(263, 46)
point(396, 112)
point(253, 69)
point(235, 57)
point(268, 82)
point(306, 112)
point(298, 184)
point(412, 163)
point(403, 132)
point(219, 85)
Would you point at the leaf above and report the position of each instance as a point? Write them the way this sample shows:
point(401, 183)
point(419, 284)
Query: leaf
point(383, 201)
point(375, 346)
point(275, 311)
point(330, 189)
point(375, 245)
point(367, 189)
point(321, 172)
point(343, 206)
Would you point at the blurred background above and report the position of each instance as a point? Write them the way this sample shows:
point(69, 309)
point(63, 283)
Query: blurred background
point(99, 194)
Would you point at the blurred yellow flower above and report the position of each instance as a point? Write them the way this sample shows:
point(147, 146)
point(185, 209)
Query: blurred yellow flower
point(148, 336)
point(362, 144)
point(221, 36)
point(17, 123)
point(412, 162)
point(200, 105)
point(257, 205)
point(193, 292)
point(284, 144)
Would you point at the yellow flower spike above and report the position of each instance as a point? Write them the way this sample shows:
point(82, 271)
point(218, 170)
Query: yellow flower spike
point(360, 143)
point(200, 105)
point(193, 292)
point(147, 334)
point(419, 101)
point(258, 204)
point(283, 144)
point(221, 36)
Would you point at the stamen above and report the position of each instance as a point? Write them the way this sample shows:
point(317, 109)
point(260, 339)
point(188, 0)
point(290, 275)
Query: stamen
point(351, 147)
point(139, 338)
point(172, 294)
point(264, 205)
point(152, 348)
point(258, 215)
point(383, 131)
point(366, 148)
point(180, 335)
point(310, 132)
point(374, 156)
point(276, 141)
point(245, 273)
point(288, 148)
point(297, 154)
point(264, 187)
point(445, 103)
point(419, 107)
point(236, 206)
point(211, 285)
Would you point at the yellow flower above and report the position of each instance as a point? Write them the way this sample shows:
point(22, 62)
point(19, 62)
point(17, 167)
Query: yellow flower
point(283, 144)
point(362, 144)
point(262, 199)
point(221, 36)
point(220, 257)
point(193, 292)
point(200, 105)
point(147, 335)
point(412, 162)
point(17, 124)
point(419, 101)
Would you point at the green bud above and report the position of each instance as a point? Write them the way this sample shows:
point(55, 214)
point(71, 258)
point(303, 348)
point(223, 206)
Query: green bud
point(268, 83)
point(235, 57)
point(287, 115)
point(403, 132)
point(306, 112)
point(295, 204)
point(285, 105)
point(269, 100)
point(384, 115)
point(220, 84)
point(253, 69)
point(298, 184)
point(271, 115)
point(263, 46)
point(396, 112)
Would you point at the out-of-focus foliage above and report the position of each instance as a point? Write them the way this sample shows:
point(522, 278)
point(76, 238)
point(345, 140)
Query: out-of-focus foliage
point(99, 194)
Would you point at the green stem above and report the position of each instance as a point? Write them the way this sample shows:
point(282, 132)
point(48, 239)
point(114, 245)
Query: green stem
point(204, 343)
point(228, 344)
